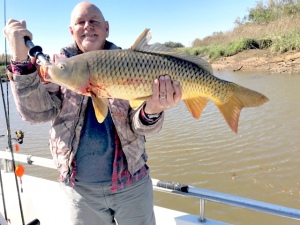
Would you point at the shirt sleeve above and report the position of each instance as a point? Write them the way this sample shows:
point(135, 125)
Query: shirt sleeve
point(21, 67)
point(146, 120)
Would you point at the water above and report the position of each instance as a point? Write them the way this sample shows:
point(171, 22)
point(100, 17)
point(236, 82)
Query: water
point(261, 162)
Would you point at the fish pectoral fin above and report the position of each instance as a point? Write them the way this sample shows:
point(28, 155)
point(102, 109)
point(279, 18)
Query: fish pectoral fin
point(196, 105)
point(144, 98)
point(100, 107)
point(137, 102)
point(134, 104)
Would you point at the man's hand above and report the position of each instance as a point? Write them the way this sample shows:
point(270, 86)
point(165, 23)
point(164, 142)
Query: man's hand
point(15, 31)
point(166, 94)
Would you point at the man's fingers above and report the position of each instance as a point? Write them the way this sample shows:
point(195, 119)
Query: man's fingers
point(169, 90)
point(162, 88)
point(155, 89)
point(10, 21)
point(23, 23)
point(177, 92)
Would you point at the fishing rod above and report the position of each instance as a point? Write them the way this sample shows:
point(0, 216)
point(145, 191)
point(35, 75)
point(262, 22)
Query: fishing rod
point(9, 139)
point(36, 51)
point(3, 100)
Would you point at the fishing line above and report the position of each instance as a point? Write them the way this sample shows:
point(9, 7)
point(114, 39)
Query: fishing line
point(6, 113)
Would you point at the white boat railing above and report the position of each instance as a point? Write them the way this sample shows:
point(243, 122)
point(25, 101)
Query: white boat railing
point(175, 188)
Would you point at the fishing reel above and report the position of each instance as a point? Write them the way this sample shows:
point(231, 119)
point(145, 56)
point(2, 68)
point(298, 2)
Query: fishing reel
point(20, 136)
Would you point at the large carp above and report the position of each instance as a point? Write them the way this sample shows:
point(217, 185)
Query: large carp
point(129, 74)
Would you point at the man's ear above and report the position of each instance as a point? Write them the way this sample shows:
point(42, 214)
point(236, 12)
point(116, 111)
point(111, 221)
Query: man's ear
point(107, 28)
point(71, 30)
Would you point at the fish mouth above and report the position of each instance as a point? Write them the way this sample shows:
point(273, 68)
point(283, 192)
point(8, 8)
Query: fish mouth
point(44, 72)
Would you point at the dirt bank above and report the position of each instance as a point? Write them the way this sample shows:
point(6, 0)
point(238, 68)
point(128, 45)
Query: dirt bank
point(260, 60)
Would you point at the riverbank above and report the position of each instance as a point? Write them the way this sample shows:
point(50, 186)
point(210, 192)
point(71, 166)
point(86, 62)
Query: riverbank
point(260, 60)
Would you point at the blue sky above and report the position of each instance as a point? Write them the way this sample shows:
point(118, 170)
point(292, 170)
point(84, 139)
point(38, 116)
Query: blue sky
point(169, 20)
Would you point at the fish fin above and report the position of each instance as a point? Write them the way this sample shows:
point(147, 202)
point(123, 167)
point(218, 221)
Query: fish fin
point(134, 104)
point(100, 107)
point(137, 102)
point(241, 97)
point(143, 98)
point(196, 105)
point(142, 40)
point(141, 45)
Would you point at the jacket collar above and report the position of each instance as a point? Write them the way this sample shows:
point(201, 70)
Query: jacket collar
point(72, 49)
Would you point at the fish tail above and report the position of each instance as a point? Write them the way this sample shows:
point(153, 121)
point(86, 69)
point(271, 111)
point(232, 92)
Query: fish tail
point(240, 97)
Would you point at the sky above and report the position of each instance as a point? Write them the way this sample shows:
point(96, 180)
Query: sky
point(169, 20)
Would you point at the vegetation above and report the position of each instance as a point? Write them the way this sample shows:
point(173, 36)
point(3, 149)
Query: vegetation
point(270, 24)
point(2, 72)
point(171, 44)
point(3, 59)
point(3, 64)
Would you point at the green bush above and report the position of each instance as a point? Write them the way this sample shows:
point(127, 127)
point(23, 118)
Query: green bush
point(287, 42)
point(265, 43)
point(266, 11)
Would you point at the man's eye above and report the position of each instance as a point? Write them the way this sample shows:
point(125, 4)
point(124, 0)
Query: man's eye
point(94, 22)
point(80, 23)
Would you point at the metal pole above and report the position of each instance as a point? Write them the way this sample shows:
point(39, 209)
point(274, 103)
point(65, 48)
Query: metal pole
point(202, 210)
point(228, 199)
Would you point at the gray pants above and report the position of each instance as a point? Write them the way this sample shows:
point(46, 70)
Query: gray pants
point(97, 205)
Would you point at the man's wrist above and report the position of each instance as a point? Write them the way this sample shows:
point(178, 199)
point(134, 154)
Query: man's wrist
point(20, 62)
point(20, 57)
point(22, 67)
point(152, 116)
point(149, 119)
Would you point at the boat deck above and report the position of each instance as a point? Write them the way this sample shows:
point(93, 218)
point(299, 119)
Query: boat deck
point(44, 200)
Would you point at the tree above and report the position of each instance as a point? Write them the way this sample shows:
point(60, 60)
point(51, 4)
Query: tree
point(171, 44)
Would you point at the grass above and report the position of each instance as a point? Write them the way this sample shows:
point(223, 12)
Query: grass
point(2, 71)
point(281, 35)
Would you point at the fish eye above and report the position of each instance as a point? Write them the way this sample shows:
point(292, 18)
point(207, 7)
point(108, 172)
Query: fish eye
point(60, 66)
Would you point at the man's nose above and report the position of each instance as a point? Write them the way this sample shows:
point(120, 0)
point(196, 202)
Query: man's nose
point(88, 25)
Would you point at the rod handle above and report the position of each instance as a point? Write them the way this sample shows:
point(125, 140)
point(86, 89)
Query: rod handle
point(34, 50)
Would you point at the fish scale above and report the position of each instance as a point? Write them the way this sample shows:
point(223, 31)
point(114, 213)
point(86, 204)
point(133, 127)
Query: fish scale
point(137, 73)
point(129, 74)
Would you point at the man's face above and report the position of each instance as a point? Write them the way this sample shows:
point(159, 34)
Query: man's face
point(88, 28)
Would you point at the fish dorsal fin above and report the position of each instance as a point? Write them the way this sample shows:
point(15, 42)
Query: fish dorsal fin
point(142, 40)
point(141, 45)
point(100, 107)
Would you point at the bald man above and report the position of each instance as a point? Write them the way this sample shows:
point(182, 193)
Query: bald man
point(102, 165)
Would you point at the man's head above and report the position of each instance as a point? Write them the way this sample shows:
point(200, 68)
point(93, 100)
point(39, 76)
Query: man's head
point(88, 27)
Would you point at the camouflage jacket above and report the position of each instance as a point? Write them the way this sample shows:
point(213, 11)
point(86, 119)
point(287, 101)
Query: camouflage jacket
point(39, 102)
